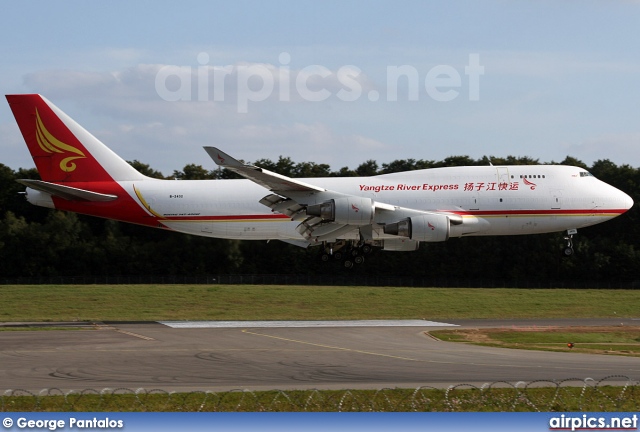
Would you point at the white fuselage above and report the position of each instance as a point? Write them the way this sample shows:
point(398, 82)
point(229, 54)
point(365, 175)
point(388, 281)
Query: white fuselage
point(493, 200)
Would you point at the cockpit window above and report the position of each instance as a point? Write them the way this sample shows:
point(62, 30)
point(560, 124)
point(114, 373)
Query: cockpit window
point(585, 174)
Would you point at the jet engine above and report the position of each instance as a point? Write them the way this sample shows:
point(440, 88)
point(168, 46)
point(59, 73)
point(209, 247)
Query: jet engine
point(348, 210)
point(426, 228)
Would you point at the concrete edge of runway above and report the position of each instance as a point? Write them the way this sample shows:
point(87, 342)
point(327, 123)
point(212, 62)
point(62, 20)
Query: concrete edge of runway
point(304, 324)
point(468, 323)
point(236, 324)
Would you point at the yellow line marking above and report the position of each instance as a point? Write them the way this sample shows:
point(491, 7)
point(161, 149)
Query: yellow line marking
point(144, 203)
point(330, 346)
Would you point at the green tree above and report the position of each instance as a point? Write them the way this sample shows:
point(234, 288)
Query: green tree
point(344, 172)
point(457, 161)
point(571, 161)
point(367, 169)
point(312, 169)
point(145, 169)
point(284, 166)
point(194, 172)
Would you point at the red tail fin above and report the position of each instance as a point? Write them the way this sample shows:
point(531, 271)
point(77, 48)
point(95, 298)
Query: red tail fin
point(62, 150)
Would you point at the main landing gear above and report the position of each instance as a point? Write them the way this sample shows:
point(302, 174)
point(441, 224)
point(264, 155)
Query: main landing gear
point(568, 249)
point(349, 252)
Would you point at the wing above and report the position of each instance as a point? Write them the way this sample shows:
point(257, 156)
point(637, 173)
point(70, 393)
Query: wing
point(301, 201)
point(270, 180)
point(327, 215)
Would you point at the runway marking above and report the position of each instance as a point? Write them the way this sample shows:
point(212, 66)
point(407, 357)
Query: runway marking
point(304, 324)
point(135, 335)
point(330, 346)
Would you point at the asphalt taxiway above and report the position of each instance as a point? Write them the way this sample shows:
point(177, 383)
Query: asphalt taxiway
point(259, 357)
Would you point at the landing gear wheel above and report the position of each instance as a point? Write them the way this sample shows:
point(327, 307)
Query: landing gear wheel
point(366, 249)
point(568, 250)
point(359, 259)
point(348, 264)
point(324, 257)
point(337, 255)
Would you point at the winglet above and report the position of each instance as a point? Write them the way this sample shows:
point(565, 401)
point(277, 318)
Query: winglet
point(221, 158)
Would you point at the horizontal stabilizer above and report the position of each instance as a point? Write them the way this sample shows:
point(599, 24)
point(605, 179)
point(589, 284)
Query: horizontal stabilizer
point(66, 192)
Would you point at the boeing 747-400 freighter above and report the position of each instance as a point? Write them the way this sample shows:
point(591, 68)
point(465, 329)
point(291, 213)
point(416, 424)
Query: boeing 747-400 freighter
point(347, 216)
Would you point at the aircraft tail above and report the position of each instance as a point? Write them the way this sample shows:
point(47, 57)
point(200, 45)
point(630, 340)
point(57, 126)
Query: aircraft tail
point(62, 150)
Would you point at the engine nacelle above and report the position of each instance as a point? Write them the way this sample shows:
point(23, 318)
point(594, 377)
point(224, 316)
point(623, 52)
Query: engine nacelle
point(348, 210)
point(400, 245)
point(426, 228)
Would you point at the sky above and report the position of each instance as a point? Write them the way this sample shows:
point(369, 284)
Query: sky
point(331, 82)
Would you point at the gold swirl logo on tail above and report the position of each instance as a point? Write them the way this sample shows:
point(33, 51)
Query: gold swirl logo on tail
point(51, 144)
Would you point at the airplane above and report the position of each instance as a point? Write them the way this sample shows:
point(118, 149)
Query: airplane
point(347, 217)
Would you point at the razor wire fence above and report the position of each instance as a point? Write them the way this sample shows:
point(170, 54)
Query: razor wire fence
point(610, 394)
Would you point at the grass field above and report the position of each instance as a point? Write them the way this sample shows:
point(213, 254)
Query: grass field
point(593, 340)
point(488, 399)
point(46, 303)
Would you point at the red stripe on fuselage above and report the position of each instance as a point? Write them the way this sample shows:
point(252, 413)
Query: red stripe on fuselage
point(273, 216)
point(488, 213)
point(541, 212)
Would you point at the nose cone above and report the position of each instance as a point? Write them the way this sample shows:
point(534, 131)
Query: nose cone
point(614, 200)
point(626, 200)
point(617, 200)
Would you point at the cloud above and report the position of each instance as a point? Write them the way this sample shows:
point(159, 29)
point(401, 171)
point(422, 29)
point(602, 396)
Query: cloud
point(313, 139)
point(529, 102)
point(613, 146)
point(133, 82)
point(14, 151)
point(124, 109)
point(552, 65)
point(238, 85)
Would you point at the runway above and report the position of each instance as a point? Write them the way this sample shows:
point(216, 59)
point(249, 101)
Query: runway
point(304, 324)
point(157, 356)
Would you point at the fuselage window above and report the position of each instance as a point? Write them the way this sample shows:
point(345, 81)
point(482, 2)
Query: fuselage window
point(524, 176)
